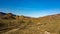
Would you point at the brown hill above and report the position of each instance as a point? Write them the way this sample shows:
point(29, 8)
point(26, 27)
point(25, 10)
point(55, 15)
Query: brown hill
point(50, 23)
point(7, 15)
point(42, 25)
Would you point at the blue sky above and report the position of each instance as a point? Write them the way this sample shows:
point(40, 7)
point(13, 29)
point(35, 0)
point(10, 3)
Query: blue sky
point(33, 8)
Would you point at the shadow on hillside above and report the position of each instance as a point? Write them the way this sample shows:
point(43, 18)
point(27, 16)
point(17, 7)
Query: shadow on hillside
point(2, 24)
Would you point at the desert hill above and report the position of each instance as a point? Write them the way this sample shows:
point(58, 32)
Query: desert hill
point(50, 23)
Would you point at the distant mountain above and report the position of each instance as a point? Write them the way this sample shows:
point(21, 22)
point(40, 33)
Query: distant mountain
point(11, 14)
point(6, 15)
point(1, 13)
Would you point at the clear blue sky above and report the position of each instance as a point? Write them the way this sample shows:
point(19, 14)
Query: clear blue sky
point(33, 8)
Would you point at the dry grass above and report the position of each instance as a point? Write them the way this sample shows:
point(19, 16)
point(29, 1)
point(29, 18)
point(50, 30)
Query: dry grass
point(34, 25)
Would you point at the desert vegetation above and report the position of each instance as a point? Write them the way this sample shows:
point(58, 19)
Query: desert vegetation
point(29, 25)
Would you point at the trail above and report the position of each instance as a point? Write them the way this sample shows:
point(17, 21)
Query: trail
point(11, 31)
